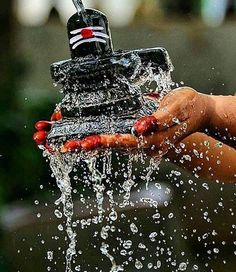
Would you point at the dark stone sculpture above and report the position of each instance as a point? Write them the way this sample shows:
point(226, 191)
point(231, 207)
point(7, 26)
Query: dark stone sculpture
point(100, 86)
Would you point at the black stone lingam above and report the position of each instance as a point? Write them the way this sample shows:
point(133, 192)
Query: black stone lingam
point(100, 94)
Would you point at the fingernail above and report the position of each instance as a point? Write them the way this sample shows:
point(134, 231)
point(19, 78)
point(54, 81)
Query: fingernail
point(40, 137)
point(90, 143)
point(145, 125)
point(71, 146)
point(43, 125)
point(56, 116)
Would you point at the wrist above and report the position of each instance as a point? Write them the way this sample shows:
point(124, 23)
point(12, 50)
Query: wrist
point(209, 112)
point(221, 117)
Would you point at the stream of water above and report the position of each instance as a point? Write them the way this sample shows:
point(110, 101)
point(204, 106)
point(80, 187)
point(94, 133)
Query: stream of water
point(65, 166)
point(112, 182)
point(100, 175)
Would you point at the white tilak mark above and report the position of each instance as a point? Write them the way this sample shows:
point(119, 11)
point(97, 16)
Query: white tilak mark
point(76, 31)
point(96, 34)
point(75, 39)
point(100, 34)
point(87, 41)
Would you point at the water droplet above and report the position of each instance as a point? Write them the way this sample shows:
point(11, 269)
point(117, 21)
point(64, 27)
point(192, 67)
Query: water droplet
point(50, 255)
point(113, 215)
point(127, 244)
point(182, 266)
point(171, 215)
point(60, 227)
point(207, 143)
point(176, 121)
point(138, 264)
point(219, 144)
point(158, 264)
point(206, 186)
point(153, 236)
point(156, 216)
point(142, 246)
point(58, 214)
point(134, 228)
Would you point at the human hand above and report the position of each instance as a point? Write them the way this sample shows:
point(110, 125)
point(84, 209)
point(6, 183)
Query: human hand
point(181, 113)
point(43, 127)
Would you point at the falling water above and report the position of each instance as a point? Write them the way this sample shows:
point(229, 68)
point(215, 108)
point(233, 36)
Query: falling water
point(100, 176)
point(61, 167)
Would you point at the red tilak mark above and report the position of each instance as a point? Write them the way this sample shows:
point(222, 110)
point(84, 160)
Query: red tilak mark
point(90, 143)
point(43, 125)
point(145, 125)
point(71, 146)
point(40, 137)
point(56, 116)
point(87, 33)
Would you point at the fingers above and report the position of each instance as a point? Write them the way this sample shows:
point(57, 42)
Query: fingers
point(171, 116)
point(166, 139)
point(43, 125)
point(121, 141)
point(159, 121)
point(161, 141)
point(40, 137)
point(174, 109)
point(71, 146)
point(92, 142)
point(57, 115)
point(145, 126)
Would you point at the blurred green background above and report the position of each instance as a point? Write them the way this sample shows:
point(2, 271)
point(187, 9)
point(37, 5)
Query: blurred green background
point(199, 35)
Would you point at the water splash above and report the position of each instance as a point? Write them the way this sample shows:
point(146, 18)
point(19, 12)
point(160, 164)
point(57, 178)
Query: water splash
point(100, 174)
point(61, 167)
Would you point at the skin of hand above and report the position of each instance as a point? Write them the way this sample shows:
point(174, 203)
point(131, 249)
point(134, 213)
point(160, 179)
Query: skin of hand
point(181, 114)
point(43, 127)
point(205, 157)
point(222, 124)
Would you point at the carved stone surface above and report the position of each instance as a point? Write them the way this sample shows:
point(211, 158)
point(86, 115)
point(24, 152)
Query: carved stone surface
point(101, 88)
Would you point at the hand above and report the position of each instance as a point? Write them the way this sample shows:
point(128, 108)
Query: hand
point(43, 127)
point(181, 113)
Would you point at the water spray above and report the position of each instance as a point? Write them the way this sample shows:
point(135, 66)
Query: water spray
point(81, 9)
point(104, 93)
point(79, 6)
point(101, 87)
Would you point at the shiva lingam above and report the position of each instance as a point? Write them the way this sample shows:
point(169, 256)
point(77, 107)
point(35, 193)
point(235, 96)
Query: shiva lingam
point(100, 86)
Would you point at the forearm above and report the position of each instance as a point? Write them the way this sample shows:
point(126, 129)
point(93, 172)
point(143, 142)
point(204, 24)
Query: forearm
point(206, 157)
point(222, 121)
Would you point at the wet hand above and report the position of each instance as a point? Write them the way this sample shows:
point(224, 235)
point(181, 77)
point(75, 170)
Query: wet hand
point(181, 113)
point(181, 107)
point(43, 127)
